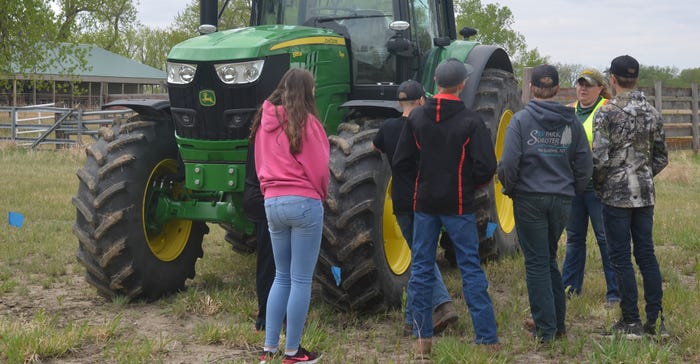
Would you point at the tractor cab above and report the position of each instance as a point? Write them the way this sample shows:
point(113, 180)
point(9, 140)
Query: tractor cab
point(389, 41)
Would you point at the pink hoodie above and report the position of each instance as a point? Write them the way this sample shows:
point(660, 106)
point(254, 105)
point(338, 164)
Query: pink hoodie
point(283, 174)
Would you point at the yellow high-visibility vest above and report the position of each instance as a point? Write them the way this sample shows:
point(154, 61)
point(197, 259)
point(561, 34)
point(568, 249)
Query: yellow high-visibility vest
point(588, 123)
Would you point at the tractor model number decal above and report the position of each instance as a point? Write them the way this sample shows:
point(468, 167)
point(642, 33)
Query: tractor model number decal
point(308, 41)
point(207, 98)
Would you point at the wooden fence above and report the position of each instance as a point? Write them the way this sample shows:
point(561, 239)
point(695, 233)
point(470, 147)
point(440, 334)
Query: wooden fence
point(677, 105)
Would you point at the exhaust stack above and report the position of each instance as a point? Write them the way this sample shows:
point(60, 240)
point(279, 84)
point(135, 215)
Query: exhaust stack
point(208, 17)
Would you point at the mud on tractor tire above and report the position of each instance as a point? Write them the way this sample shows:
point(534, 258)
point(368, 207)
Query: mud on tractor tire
point(123, 252)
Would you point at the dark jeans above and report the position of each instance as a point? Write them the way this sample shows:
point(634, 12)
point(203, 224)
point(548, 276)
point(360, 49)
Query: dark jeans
point(630, 229)
point(583, 207)
point(539, 221)
point(462, 230)
point(440, 294)
point(264, 270)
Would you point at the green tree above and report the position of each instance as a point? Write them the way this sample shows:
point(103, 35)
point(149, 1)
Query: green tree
point(151, 45)
point(104, 23)
point(649, 74)
point(29, 42)
point(494, 24)
point(235, 15)
point(689, 76)
point(568, 73)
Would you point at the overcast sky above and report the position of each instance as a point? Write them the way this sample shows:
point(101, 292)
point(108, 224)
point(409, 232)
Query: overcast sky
point(587, 32)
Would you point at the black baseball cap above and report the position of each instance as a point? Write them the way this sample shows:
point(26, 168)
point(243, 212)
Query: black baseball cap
point(410, 90)
point(544, 76)
point(451, 72)
point(625, 66)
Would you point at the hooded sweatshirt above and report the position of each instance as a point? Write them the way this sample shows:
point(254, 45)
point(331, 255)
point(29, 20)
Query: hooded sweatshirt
point(545, 151)
point(282, 173)
point(454, 153)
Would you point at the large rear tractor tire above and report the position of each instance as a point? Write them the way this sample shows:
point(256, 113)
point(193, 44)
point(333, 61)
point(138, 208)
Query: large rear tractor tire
point(364, 261)
point(123, 251)
point(497, 99)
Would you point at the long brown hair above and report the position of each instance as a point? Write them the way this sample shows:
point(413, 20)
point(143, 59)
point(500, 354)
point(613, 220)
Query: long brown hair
point(295, 92)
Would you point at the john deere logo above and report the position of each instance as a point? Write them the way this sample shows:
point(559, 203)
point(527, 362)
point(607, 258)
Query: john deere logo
point(207, 98)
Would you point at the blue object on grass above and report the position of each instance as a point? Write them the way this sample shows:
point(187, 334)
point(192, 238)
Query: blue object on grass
point(336, 274)
point(490, 229)
point(15, 219)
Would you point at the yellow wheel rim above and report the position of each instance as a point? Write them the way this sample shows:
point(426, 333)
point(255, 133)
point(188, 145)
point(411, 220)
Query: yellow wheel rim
point(398, 255)
point(169, 242)
point(504, 205)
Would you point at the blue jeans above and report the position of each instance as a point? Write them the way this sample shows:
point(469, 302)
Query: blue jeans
point(296, 224)
point(539, 221)
point(440, 294)
point(462, 230)
point(583, 207)
point(622, 226)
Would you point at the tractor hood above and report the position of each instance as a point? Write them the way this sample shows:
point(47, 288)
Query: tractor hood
point(251, 42)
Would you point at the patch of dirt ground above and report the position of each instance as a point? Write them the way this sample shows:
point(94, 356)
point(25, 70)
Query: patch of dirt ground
point(77, 302)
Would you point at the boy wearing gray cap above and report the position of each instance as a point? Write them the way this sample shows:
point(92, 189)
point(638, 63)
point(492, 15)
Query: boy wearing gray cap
point(629, 149)
point(546, 161)
point(454, 155)
point(411, 95)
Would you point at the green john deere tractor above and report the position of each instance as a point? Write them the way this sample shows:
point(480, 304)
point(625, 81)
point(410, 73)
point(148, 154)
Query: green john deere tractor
point(152, 183)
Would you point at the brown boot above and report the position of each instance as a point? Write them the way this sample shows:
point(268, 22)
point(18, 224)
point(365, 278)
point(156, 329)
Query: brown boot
point(421, 351)
point(444, 315)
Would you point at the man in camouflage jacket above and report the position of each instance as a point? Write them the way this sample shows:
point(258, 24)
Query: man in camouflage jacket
point(629, 149)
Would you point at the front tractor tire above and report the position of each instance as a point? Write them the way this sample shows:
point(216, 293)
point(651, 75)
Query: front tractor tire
point(123, 252)
point(364, 261)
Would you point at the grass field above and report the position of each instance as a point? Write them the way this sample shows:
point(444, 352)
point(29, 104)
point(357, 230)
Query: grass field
point(49, 314)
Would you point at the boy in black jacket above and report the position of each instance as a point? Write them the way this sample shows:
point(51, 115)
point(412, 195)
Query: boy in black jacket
point(254, 207)
point(455, 155)
point(411, 95)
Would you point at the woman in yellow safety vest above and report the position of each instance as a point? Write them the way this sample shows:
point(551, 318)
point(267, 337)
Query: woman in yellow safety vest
point(592, 92)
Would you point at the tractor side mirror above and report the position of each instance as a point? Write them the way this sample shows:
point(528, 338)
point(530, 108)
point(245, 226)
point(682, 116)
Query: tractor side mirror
point(398, 44)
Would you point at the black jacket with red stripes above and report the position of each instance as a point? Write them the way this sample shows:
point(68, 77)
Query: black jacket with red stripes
point(453, 149)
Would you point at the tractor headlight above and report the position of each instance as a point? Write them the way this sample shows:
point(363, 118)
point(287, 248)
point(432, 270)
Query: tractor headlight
point(239, 73)
point(180, 73)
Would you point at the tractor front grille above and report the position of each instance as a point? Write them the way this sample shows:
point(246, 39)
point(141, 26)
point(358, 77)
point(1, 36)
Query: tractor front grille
point(235, 105)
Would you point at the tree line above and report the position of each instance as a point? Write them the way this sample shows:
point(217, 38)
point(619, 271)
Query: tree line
point(39, 34)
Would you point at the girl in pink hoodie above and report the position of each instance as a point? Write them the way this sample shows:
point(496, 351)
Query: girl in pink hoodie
point(291, 159)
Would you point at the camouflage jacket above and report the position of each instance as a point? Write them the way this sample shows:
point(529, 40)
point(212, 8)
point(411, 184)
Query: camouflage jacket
point(629, 149)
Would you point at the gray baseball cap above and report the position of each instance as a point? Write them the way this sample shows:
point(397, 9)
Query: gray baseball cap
point(451, 72)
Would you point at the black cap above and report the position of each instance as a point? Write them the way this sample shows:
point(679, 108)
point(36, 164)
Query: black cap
point(410, 90)
point(544, 76)
point(451, 72)
point(625, 66)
